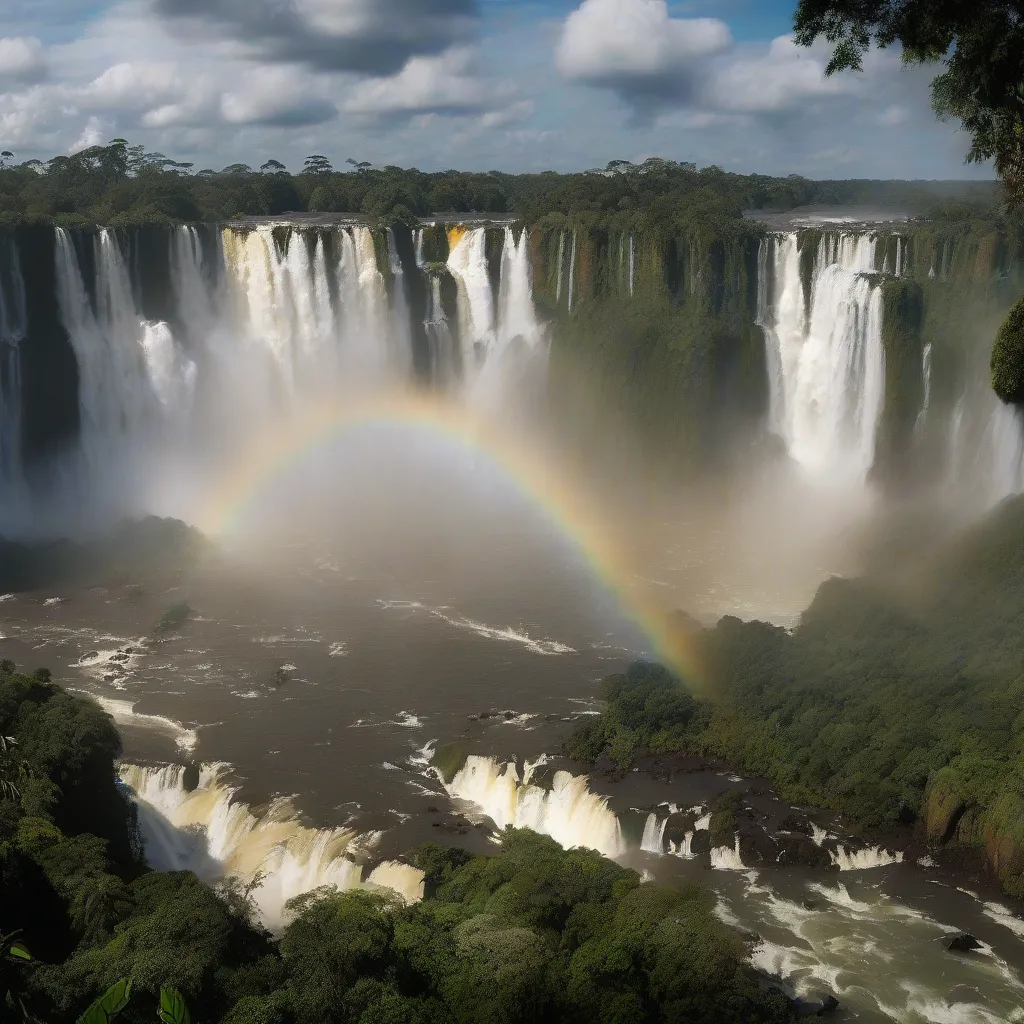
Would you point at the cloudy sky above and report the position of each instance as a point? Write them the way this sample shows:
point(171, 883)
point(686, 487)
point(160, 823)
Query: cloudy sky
point(518, 85)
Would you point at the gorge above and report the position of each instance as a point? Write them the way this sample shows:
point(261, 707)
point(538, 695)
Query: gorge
point(349, 624)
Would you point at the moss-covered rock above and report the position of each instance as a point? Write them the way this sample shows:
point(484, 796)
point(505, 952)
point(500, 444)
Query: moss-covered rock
point(449, 759)
point(1008, 357)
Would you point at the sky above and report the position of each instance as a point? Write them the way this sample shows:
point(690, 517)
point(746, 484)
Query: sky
point(511, 85)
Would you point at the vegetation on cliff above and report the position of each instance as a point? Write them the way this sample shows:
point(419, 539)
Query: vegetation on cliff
point(532, 934)
point(1008, 357)
point(887, 704)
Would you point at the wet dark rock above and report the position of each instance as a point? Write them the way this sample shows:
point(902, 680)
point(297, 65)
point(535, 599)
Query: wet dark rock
point(964, 943)
point(484, 715)
point(119, 657)
point(799, 849)
point(756, 847)
point(280, 677)
point(509, 715)
point(810, 905)
point(435, 824)
point(820, 1007)
point(109, 677)
point(701, 842)
point(433, 810)
point(796, 823)
point(129, 650)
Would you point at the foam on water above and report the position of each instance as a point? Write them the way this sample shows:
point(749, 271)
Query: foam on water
point(727, 858)
point(209, 831)
point(864, 860)
point(123, 713)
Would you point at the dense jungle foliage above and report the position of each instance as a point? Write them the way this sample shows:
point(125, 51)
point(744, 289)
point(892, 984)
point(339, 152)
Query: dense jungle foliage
point(887, 703)
point(122, 185)
point(532, 934)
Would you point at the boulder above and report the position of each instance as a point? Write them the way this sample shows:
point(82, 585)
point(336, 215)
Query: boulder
point(964, 943)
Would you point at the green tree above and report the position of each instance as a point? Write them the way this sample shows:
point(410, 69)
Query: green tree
point(317, 164)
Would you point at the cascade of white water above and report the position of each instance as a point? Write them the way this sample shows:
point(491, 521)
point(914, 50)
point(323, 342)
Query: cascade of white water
point(561, 263)
point(13, 331)
point(827, 369)
point(572, 271)
point(727, 858)
point(399, 299)
point(133, 381)
point(517, 317)
point(632, 264)
point(926, 378)
point(864, 860)
point(467, 262)
point(569, 812)
point(653, 840)
point(209, 831)
point(1006, 444)
point(439, 337)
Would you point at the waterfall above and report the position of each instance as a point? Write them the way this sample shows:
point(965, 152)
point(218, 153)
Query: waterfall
point(572, 270)
point(569, 812)
point(401, 336)
point(467, 262)
point(653, 840)
point(864, 860)
point(13, 330)
point(561, 263)
point(443, 365)
point(727, 858)
point(517, 317)
point(263, 322)
point(632, 264)
point(825, 356)
point(133, 380)
point(212, 833)
point(926, 376)
point(1006, 444)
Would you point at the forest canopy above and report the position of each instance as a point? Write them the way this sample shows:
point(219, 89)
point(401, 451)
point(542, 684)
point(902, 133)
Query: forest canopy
point(120, 185)
point(532, 934)
point(884, 707)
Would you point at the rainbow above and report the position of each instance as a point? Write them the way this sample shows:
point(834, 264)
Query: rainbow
point(577, 518)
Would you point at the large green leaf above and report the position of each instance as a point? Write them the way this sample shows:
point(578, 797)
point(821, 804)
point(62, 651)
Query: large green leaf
point(109, 1005)
point(172, 1007)
point(19, 950)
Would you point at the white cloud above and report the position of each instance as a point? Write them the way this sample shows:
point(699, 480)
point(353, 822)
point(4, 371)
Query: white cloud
point(450, 83)
point(93, 134)
point(780, 79)
point(22, 59)
point(282, 96)
point(634, 46)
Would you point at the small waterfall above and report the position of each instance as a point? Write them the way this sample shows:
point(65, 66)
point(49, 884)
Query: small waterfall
point(13, 331)
point(443, 364)
point(684, 849)
point(727, 858)
point(926, 376)
point(572, 271)
point(210, 832)
point(517, 317)
point(632, 264)
point(864, 860)
point(401, 336)
point(561, 264)
point(1006, 443)
point(653, 840)
point(467, 262)
point(825, 355)
point(570, 813)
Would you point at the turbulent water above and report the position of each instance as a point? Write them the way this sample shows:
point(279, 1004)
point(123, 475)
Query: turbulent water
point(425, 594)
